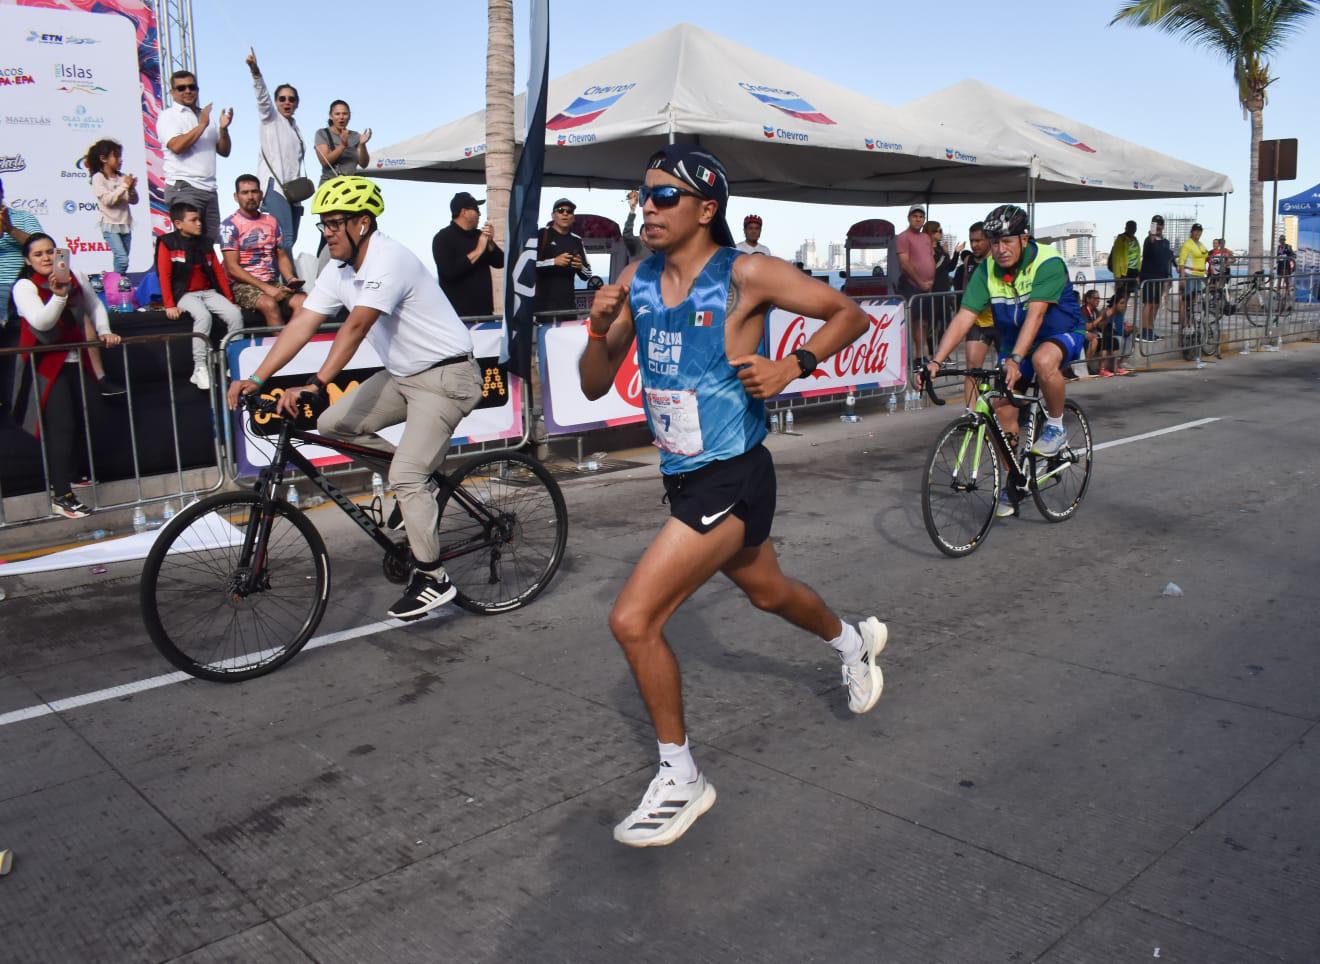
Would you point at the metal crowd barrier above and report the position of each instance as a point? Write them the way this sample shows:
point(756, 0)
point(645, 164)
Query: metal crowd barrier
point(27, 508)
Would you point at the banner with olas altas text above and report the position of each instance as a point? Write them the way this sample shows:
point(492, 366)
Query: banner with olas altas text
point(73, 72)
point(878, 359)
point(497, 416)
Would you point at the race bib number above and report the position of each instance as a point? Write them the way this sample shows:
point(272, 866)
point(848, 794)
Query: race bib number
point(675, 420)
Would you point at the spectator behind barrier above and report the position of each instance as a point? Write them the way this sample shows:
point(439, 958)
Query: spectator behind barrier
point(1156, 270)
point(192, 281)
point(281, 155)
point(255, 260)
point(1111, 330)
point(114, 192)
point(16, 226)
point(751, 242)
point(942, 279)
point(56, 305)
point(635, 246)
point(340, 150)
point(191, 140)
point(465, 256)
point(916, 263)
point(560, 257)
point(1125, 259)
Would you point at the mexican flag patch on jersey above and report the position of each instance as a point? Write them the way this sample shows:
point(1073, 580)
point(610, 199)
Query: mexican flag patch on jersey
point(702, 319)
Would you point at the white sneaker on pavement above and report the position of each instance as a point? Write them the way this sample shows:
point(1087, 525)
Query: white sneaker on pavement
point(864, 680)
point(201, 378)
point(667, 809)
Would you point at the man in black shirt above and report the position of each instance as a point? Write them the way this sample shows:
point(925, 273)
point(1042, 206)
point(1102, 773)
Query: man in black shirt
point(1156, 270)
point(464, 257)
point(559, 258)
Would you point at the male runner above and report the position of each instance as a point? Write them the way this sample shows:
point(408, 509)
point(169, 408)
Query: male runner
point(1037, 316)
point(698, 308)
point(430, 380)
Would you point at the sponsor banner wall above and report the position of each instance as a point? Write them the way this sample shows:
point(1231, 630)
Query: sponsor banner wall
point(69, 77)
point(498, 416)
point(878, 359)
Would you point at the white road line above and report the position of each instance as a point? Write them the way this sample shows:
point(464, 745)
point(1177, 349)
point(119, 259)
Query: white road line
point(155, 682)
point(1160, 431)
point(329, 639)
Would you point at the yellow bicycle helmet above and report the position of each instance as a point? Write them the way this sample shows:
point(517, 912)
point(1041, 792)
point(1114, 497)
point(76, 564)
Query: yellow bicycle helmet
point(355, 195)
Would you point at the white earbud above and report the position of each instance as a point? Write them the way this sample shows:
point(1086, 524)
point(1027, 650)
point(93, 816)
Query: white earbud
point(362, 231)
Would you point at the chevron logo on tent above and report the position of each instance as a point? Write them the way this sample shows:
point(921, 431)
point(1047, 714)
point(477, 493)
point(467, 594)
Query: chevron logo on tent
point(585, 109)
point(786, 101)
point(1063, 137)
point(768, 131)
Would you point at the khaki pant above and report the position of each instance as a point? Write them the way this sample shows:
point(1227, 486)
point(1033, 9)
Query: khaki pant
point(431, 403)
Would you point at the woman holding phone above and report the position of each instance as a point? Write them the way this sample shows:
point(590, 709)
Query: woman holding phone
point(53, 390)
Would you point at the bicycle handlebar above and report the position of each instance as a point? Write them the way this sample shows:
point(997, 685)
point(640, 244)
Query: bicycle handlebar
point(258, 404)
point(995, 375)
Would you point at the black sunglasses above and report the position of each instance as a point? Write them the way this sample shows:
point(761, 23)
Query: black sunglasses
point(665, 195)
point(286, 99)
point(564, 211)
point(183, 87)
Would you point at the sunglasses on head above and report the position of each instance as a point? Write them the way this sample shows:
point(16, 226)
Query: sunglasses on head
point(664, 195)
point(184, 87)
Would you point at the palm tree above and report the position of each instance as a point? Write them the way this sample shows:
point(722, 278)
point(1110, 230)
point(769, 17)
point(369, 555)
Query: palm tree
point(1245, 33)
point(499, 125)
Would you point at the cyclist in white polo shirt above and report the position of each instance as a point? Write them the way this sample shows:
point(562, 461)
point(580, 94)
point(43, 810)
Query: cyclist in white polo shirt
point(430, 380)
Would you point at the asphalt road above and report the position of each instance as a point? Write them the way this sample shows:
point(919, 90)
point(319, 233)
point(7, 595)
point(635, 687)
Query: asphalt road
point(1066, 766)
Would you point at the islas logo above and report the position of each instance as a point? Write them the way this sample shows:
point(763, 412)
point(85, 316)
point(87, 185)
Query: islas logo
point(788, 102)
point(77, 79)
point(586, 108)
point(1062, 137)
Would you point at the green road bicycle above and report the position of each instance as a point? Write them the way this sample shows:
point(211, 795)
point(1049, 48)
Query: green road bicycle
point(963, 476)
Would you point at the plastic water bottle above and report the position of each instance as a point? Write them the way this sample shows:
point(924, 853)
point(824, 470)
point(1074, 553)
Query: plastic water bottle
point(850, 409)
point(100, 534)
point(377, 487)
point(139, 520)
point(291, 496)
point(168, 513)
point(891, 406)
point(788, 420)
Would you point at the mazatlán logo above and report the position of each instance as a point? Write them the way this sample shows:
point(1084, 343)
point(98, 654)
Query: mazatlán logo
point(953, 154)
point(26, 120)
point(585, 109)
point(1142, 186)
point(789, 102)
point(12, 163)
point(15, 77)
point(1062, 136)
point(36, 36)
point(876, 144)
point(778, 133)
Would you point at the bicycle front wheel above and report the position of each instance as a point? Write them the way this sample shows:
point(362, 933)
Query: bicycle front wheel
point(225, 600)
point(961, 486)
point(503, 529)
point(1059, 482)
point(1213, 333)
point(1256, 306)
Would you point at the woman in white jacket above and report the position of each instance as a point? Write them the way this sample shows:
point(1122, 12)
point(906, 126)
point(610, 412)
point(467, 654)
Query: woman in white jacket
point(53, 390)
point(282, 150)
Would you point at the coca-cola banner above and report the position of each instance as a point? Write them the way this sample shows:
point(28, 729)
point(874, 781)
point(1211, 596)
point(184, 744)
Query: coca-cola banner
point(878, 359)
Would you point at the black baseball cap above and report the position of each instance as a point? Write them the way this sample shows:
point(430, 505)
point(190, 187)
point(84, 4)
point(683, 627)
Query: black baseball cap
point(1157, 219)
point(702, 171)
point(461, 201)
point(563, 202)
point(1197, 227)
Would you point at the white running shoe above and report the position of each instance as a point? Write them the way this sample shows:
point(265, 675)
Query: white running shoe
point(667, 809)
point(201, 378)
point(864, 680)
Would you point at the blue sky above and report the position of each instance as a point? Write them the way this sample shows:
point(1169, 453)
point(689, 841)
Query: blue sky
point(406, 67)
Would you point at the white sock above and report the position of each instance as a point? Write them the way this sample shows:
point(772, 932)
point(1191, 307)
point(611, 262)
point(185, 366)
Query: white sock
point(1056, 422)
point(677, 761)
point(848, 643)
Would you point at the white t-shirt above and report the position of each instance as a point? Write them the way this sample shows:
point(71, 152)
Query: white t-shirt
point(417, 326)
point(746, 247)
point(196, 165)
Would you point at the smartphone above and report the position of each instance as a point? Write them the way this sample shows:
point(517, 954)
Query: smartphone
point(61, 272)
point(295, 285)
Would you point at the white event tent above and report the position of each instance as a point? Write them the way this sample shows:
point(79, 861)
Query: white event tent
point(781, 132)
point(1071, 161)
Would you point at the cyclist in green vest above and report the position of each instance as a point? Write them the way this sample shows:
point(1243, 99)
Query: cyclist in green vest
point(1037, 317)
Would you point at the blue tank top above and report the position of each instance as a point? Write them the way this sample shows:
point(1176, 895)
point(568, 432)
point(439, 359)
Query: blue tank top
point(694, 402)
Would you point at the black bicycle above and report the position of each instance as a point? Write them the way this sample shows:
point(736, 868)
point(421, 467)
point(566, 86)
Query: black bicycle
point(962, 482)
point(236, 583)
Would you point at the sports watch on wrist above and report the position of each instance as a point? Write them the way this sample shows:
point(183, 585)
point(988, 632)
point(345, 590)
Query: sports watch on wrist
point(807, 362)
point(320, 385)
point(1016, 359)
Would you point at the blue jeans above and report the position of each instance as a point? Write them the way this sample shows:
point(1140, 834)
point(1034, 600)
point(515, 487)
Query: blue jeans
point(119, 245)
point(288, 215)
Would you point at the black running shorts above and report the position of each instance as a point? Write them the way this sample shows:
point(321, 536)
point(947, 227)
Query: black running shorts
point(984, 333)
point(743, 486)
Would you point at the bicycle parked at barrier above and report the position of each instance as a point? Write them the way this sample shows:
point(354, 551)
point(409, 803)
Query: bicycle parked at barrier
point(963, 478)
point(1201, 331)
point(1248, 298)
point(236, 583)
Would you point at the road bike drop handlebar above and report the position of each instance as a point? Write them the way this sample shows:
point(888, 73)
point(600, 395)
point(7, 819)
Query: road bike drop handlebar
point(995, 375)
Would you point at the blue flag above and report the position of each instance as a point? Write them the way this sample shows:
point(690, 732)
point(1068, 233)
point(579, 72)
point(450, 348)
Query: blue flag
point(525, 205)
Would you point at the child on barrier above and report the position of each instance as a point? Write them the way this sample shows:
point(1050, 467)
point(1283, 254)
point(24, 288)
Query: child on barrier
point(193, 280)
point(54, 395)
point(114, 191)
